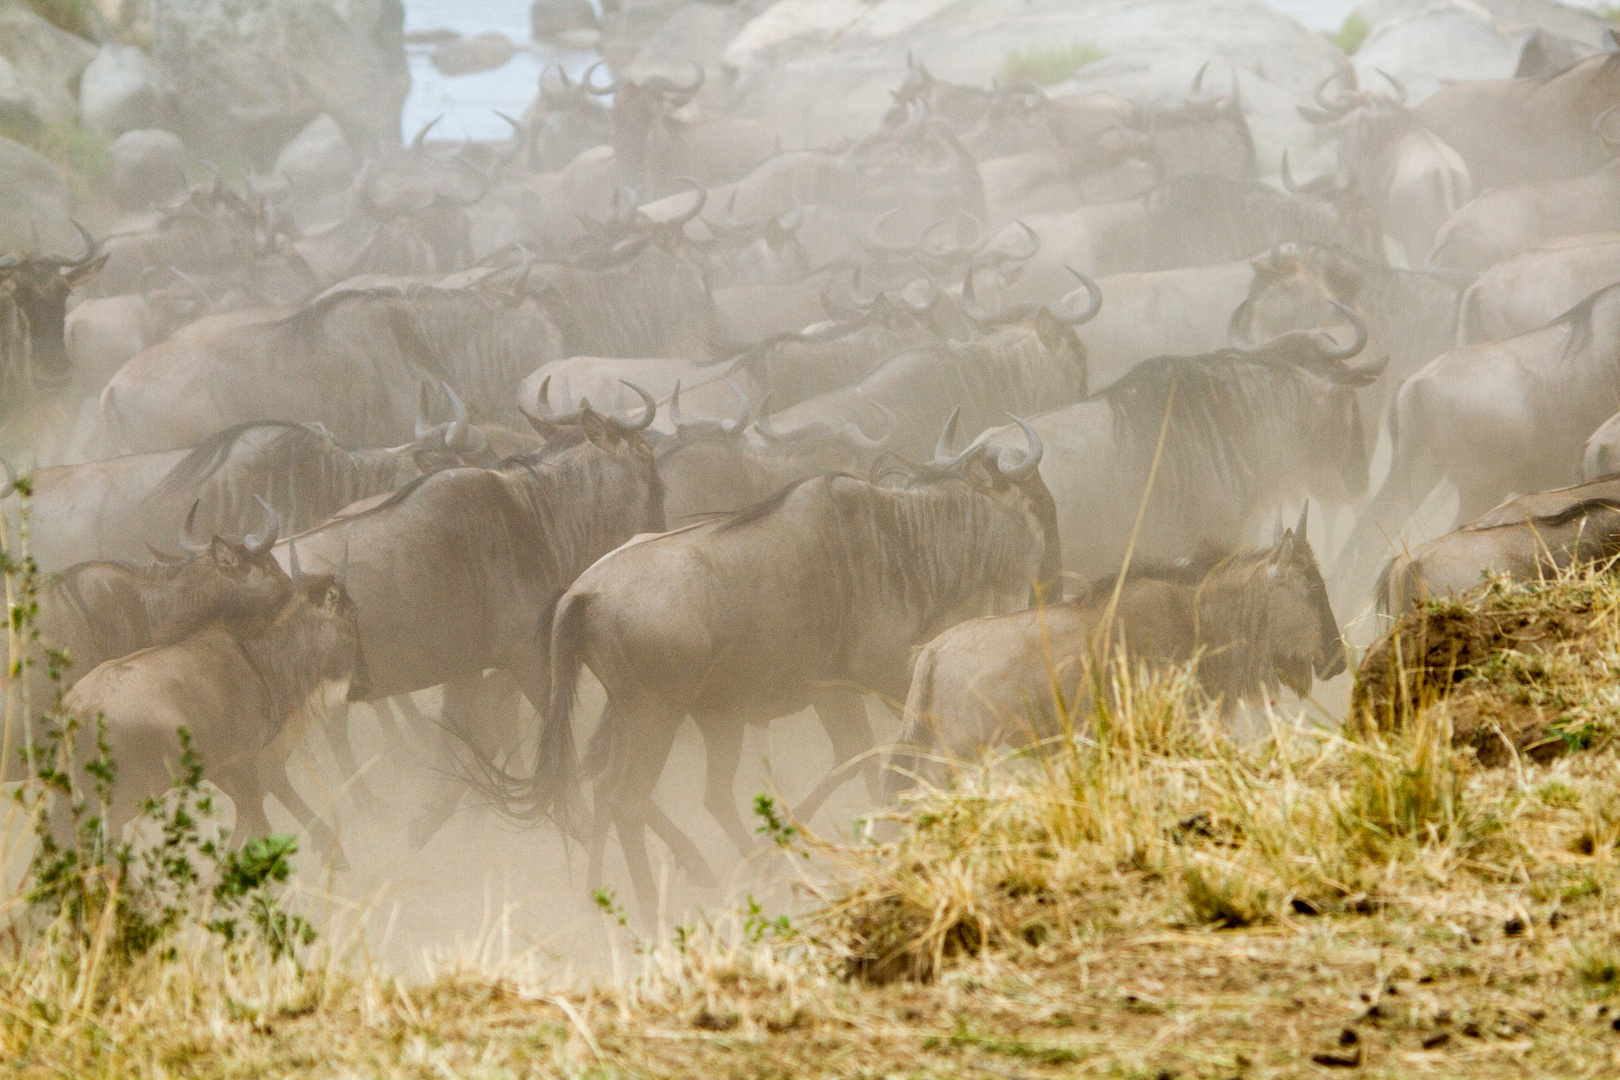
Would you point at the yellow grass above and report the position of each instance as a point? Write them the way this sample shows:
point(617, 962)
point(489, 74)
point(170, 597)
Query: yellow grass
point(1146, 898)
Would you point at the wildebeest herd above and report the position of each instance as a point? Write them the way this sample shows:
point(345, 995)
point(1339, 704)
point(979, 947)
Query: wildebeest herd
point(922, 417)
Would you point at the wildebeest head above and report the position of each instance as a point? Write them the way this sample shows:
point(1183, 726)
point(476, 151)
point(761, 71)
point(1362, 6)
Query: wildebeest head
point(1304, 637)
point(323, 628)
point(1295, 287)
point(35, 288)
point(619, 437)
point(1011, 477)
point(238, 581)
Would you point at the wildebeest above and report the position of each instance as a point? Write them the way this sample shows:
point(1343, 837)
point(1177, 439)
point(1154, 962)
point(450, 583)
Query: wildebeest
point(126, 507)
point(1502, 222)
point(212, 231)
point(1519, 131)
point(811, 597)
point(353, 359)
point(1496, 419)
point(458, 572)
point(1034, 365)
point(33, 306)
point(655, 137)
point(100, 611)
point(1528, 537)
point(1249, 622)
point(1411, 180)
point(245, 687)
point(1246, 429)
point(1531, 289)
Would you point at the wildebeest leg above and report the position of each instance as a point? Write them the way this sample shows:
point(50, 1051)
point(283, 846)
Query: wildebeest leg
point(272, 775)
point(722, 744)
point(687, 855)
point(337, 736)
point(449, 731)
point(843, 718)
point(639, 743)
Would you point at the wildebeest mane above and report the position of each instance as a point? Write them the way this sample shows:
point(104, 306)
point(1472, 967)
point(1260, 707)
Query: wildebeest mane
point(1189, 571)
point(767, 506)
point(1579, 321)
point(1220, 406)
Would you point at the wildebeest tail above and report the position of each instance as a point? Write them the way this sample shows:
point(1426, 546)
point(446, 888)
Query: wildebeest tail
point(556, 767)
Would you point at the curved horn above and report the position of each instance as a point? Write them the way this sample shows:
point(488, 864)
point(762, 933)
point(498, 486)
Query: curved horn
point(702, 193)
point(191, 283)
point(1396, 84)
point(1319, 95)
point(872, 242)
point(1356, 345)
point(1022, 466)
point(258, 545)
point(1242, 318)
point(422, 428)
point(1095, 304)
point(188, 542)
point(1288, 181)
point(943, 458)
point(343, 564)
point(1034, 243)
point(1304, 513)
point(293, 569)
point(1597, 127)
point(421, 135)
point(863, 441)
point(647, 400)
point(1198, 79)
point(589, 82)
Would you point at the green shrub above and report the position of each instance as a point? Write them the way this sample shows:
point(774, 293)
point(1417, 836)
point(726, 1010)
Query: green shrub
point(1353, 33)
point(1047, 65)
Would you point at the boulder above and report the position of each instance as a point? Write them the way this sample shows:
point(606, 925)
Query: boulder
point(118, 91)
point(549, 19)
point(319, 158)
point(693, 34)
point(146, 167)
point(1430, 44)
point(34, 208)
point(815, 70)
point(465, 56)
point(40, 68)
point(250, 74)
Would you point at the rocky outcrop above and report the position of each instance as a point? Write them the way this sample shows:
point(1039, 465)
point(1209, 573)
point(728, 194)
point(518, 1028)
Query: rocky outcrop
point(147, 167)
point(815, 70)
point(550, 19)
point(33, 202)
point(40, 68)
point(249, 74)
point(118, 92)
point(1430, 44)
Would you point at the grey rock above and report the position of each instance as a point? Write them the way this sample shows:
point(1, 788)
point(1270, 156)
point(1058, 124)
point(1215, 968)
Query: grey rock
point(118, 91)
point(464, 56)
point(318, 159)
point(40, 68)
point(550, 18)
point(34, 209)
point(147, 168)
point(250, 74)
point(815, 70)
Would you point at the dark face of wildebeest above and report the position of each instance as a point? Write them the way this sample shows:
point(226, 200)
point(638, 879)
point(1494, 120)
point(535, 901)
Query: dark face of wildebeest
point(33, 300)
point(234, 581)
point(1304, 637)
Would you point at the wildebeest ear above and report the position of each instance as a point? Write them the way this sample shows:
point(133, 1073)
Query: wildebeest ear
point(74, 275)
point(595, 427)
point(225, 555)
point(1049, 330)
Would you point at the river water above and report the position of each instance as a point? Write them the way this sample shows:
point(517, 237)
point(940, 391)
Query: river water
point(468, 102)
